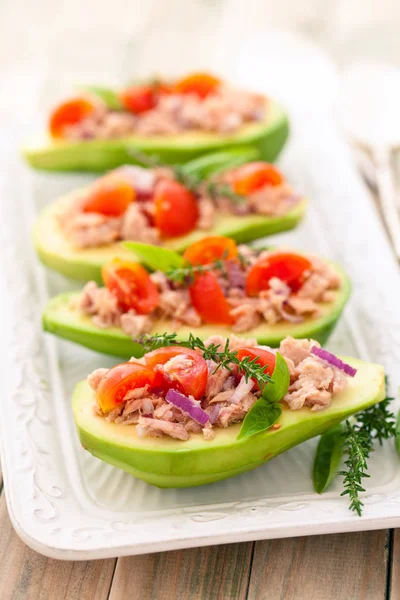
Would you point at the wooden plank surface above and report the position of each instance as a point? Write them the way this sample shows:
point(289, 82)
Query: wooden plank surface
point(348, 566)
point(395, 579)
point(24, 574)
point(339, 567)
point(200, 573)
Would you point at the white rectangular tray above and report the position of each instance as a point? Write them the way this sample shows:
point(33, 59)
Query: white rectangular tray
point(66, 504)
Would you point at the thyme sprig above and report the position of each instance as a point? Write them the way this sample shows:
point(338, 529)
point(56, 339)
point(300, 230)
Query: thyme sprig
point(374, 423)
point(223, 357)
point(213, 189)
point(216, 190)
point(186, 274)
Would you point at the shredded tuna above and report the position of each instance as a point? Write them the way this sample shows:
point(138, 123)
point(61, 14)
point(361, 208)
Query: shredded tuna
point(135, 325)
point(313, 382)
point(224, 111)
point(228, 397)
point(275, 304)
point(94, 378)
point(175, 430)
point(101, 304)
point(135, 226)
point(206, 213)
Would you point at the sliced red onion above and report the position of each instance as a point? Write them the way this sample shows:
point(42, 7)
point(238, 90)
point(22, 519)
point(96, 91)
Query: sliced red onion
point(188, 406)
point(242, 390)
point(235, 274)
point(333, 360)
point(213, 413)
point(143, 180)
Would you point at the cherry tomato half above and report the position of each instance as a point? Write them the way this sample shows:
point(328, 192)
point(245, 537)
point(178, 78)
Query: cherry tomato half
point(138, 99)
point(253, 176)
point(211, 248)
point(208, 299)
point(69, 113)
point(201, 84)
point(263, 358)
point(131, 285)
point(176, 210)
point(189, 377)
point(290, 268)
point(119, 380)
point(110, 195)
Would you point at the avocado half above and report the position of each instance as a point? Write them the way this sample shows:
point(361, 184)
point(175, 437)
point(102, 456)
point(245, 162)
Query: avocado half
point(268, 136)
point(169, 463)
point(57, 253)
point(62, 319)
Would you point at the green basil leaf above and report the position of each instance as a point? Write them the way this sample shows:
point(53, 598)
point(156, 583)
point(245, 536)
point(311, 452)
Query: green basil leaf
point(276, 389)
point(259, 418)
point(154, 257)
point(213, 163)
point(327, 458)
point(108, 96)
point(398, 432)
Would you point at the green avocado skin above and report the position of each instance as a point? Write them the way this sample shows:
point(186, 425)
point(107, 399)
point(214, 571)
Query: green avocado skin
point(169, 463)
point(267, 137)
point(62, 319)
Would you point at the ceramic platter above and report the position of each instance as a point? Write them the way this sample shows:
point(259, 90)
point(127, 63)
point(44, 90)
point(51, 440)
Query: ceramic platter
point(66, 504)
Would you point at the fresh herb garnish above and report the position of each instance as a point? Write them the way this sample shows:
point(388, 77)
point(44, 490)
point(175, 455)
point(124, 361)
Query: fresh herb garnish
point(216, 190)
point(187, 273)
point(267, 410)
point(328, 457)
point(194, 183)
point(354, 439)
point(223, 357)
point(261, 416)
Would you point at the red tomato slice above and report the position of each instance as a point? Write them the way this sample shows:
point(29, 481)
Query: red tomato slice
point(110, 195)
point(119, 380)
point(208, 299)
point(201, 84)
point(210, 249)
point(190, 379)
point(69, 113)
point(290, 268)
point(138, 99)
point(263, 358)
point(253, 176)
point(131, 284)
point(176, 210)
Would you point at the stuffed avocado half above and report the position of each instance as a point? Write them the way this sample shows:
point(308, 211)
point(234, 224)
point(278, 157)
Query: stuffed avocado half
point(272, 295)
point(267, 137)
point(170, 439)
point(177, 120)
point(79, 232)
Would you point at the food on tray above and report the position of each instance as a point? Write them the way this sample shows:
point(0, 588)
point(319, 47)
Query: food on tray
point(164, 206)
point(215, 287)
point(195, 413)
point(177, 120)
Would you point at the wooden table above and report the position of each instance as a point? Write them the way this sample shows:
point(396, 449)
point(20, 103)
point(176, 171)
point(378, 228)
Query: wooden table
point(352, 566)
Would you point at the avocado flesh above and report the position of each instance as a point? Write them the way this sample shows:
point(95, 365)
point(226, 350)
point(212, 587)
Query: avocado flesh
point(166, 462)
point(57, 253)
point(268, 136)
point(61, 319)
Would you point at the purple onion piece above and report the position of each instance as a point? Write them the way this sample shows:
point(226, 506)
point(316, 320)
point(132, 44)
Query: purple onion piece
point(213, 413)
point(333, 360)
point(235, 274)
point(188, 406)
